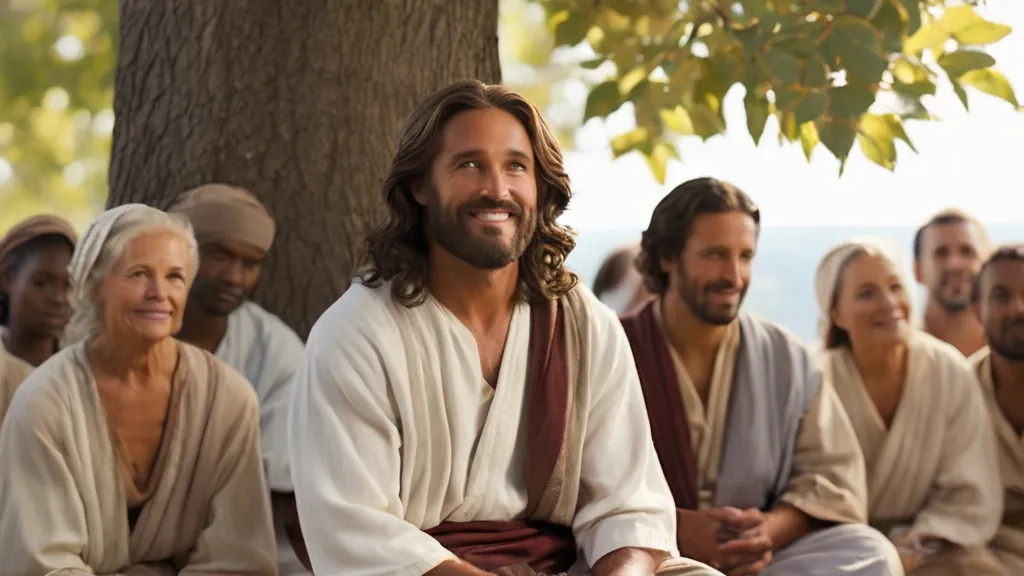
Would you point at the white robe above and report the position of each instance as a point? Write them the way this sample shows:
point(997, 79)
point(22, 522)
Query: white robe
point(394, 430)
point(13, 371)
point(268, 353)
point(934, 468)
point(65, 501)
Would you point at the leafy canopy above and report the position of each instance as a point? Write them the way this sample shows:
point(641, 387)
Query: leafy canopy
point(818, 66)
point(57, 60)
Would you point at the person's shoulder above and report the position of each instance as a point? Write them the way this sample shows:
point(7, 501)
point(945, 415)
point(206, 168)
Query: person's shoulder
point(46, 395)
point(979, 358)
point(272, 329)
point(936, 352)
point(359, 313)
point(13, 370)
point(216, 379)
point(773, 335)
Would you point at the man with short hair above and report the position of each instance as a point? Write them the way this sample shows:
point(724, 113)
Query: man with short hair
point(235, 232)
point(466, 408)
point(948, 251)
point(763, 463)
point(999, 304)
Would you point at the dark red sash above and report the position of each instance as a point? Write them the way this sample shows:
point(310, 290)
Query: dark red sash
point(546, 548)
point(665, 409)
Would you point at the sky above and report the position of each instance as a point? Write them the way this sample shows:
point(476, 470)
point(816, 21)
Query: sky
point(968, 160)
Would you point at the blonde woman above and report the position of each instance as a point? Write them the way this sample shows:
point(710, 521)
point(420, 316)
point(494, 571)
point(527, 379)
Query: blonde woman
point(933, 478)
point(129, 452)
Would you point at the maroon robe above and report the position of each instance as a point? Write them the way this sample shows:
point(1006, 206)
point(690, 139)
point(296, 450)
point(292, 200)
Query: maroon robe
point(665, 409)
point(545, 548)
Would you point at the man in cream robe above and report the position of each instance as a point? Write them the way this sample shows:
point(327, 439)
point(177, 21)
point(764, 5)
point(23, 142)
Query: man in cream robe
point(931, 469)
point(235, 233)
point(770, 433)
point(408, 455)
point(65, 503)
point(999, 303)
point(12, 372)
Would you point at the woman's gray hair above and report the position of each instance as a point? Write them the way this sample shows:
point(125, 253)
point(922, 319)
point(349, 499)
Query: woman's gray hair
point(101, 246)
point(828, 280)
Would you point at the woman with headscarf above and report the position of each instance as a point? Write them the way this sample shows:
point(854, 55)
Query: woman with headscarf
point(933, 478)
point(130, 452)
point(34, 309)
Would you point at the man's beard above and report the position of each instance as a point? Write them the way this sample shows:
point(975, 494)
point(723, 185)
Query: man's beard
point(204, 294)
point(1009, 347)
point(696, 299)
point(450, 228)
point(952, 303)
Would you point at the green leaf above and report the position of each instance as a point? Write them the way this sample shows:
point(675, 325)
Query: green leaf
point(758, 109)
point(890, 23)
point(658, 159)
point(838, 137)
point(928, 36)
point(572, 30)
point(783, 67)
point(810, 108)
point(592, 64)
point(851, 31)
point(787, 127)
point(896, 127)
point(625, 143)
point(602, 100)
point(990, 82)
point(808, 139)
point(911, 10)
point(864, 63)
point(752, 39)
point(863, 8)
point(850, 101)
point(815, 72)
point(911, 78)
point(959, 90)
point(876, 139)
point(956, 63)
point(982, 33)
point(956, 18)
point(677, 120)
point(786, 97)
point(706, 121)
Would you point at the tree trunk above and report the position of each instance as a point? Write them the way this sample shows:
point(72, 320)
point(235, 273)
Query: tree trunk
point(299, 101)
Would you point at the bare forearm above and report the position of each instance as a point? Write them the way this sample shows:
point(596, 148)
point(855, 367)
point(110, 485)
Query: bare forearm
point(786, 524)
point(629, 562)
point(456, 568)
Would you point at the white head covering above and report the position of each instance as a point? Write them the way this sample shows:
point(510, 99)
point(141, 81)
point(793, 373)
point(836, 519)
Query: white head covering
point(830, 272)
point(83, 261)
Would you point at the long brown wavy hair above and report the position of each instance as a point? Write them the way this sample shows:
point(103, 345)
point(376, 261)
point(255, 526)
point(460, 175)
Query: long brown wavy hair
point(396, 250)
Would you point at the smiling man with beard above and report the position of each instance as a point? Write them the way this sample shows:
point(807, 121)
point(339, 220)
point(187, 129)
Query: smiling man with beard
point(999, 304)
point(466, 407)
point(235, 232)
point(948, 252)
point(762, 461)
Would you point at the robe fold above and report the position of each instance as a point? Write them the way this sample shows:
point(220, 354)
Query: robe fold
point(13, 371)
point(65, 507)
point(434, 455)
point(1008, 543)
point(772, 432)
point(934, 468)
point(268, 353)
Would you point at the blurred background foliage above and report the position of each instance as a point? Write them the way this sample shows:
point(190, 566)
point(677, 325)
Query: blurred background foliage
point(833, 72)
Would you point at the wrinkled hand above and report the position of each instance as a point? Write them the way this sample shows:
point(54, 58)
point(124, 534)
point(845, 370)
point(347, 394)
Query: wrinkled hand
point(748, 549)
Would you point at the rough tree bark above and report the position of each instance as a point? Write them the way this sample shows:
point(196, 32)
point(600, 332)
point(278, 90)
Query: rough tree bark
point(300, 101)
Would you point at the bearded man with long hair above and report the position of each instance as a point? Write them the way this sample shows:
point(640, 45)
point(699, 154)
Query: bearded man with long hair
point(467, 407)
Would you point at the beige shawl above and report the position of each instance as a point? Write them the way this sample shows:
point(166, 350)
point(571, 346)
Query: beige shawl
point(935, 467)
point(64, 502)
point(13, 371)
point(1009, 541)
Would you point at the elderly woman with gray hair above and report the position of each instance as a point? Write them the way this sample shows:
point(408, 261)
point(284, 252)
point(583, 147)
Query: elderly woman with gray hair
point(933, 478)
point(129, 452)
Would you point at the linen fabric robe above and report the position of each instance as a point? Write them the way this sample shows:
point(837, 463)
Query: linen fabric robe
point(1008, 543)
point(773, 432)
point(934, 468)
point(394, 432)
point(65, 507)
point(13, 371)
point(268, 353)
